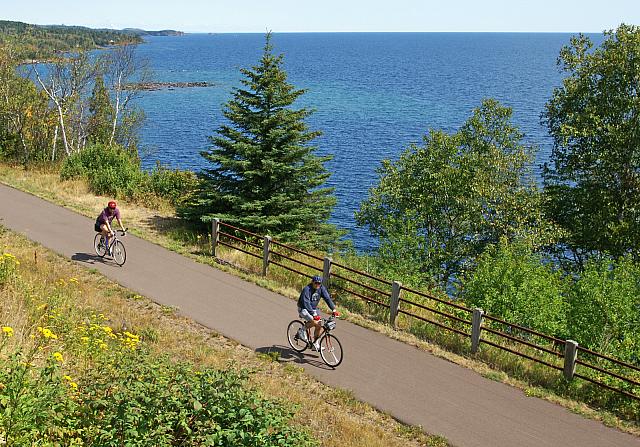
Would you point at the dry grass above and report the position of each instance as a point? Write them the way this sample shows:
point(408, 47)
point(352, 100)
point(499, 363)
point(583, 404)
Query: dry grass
point(160, 227)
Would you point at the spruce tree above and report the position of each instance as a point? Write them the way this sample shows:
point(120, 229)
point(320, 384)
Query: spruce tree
point(265, 176)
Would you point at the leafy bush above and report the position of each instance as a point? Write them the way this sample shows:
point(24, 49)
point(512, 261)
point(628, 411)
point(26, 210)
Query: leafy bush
point(113, 171)
point(125, 395)
point(110, 170)
point(174, 185)
point(34, 403)
point(605, 308)
point(512, 283)
point(158, 403)
point(8, 145)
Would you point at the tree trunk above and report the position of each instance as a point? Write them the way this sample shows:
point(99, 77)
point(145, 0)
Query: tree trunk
point(55, 141)
point(116, 110)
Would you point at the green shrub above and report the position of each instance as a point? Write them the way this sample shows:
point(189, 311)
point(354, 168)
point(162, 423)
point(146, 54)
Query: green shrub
point(124, 394)
point(34, 403)
point(158, 403)
point(8, 146)
point(116, 172)
point(605, 308)
point(174, 185)
point(512, 283)
point(109, 170)
point(73, 167)
point(125, 181)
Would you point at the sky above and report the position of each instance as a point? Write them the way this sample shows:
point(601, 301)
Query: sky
point(224, 16)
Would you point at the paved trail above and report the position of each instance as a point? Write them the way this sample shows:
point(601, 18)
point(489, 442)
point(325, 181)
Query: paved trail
point(413, 386)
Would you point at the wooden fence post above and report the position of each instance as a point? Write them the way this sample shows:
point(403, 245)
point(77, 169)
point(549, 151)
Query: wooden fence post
point(476, 329)
point(570, 357)
point(394, 304)
point(215, 237)
point(265, 255)
point(326, 272)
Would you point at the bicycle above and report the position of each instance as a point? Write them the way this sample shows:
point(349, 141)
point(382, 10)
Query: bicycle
point(299, 338)
point(115, 249)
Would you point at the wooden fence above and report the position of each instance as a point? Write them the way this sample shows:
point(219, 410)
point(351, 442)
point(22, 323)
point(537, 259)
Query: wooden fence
point(395, 299)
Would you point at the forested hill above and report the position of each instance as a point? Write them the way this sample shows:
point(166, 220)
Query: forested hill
point(43, 41)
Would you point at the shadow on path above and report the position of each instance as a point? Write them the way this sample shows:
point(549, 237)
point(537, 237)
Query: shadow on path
point(288, 355)
point(88, 258)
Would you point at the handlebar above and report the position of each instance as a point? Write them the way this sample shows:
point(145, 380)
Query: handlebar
point(329, 324)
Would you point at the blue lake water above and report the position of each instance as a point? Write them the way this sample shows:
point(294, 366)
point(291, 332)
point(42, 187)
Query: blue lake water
point(374, 94)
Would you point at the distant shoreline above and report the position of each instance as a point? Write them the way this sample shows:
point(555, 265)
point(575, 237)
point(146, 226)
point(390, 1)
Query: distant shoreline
point(153, 86)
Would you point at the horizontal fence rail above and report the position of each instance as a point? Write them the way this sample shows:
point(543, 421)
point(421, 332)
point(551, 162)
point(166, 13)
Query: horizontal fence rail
point(388, 296)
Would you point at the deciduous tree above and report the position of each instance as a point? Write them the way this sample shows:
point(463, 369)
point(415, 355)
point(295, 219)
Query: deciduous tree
point(438, 207)
point(593, 181)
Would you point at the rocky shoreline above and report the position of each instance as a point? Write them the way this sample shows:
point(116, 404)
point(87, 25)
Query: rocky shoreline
point(151, 86)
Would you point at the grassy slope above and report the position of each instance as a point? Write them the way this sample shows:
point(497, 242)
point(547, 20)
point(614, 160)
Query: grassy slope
point(157, 224)
point(334, 416)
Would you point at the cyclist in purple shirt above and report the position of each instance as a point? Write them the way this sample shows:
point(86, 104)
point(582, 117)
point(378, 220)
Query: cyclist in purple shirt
point(103, 222)
point(308, 306)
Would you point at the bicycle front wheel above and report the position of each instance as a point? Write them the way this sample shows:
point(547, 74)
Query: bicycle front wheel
point(99, 245)
point(330, 350)
point(119, 253)
point(293, 331)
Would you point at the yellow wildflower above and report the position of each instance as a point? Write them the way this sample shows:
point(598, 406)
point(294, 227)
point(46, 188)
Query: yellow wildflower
point(67, 378)
point(57, 357)
point(73, 280)
point(131, 336)
point(8, 331)
point(73, 385)
point(46, 333)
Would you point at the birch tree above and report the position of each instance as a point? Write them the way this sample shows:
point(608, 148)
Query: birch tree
point(66, 84)
point(122, 69)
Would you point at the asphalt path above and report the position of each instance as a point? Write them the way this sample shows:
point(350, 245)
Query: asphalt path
point(413, 386)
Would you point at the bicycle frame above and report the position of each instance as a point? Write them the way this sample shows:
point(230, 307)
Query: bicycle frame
point(113, 239)
point(324, 328)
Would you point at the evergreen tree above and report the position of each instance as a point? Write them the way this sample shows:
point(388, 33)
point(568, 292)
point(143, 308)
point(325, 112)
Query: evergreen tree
point(99, 126)
point(265, 176)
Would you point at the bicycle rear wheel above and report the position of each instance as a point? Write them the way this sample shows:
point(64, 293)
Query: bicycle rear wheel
point(119, 253)
point(99, 245)
point(296, 343)
point(330, 350)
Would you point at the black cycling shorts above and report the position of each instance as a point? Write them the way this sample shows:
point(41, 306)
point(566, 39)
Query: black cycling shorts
point(96, 227)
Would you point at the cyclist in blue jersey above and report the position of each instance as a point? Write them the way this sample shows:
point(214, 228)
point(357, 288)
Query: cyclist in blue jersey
point(308, 302)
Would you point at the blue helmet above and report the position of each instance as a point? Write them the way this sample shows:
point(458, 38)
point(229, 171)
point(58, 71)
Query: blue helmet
point(316, 278)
